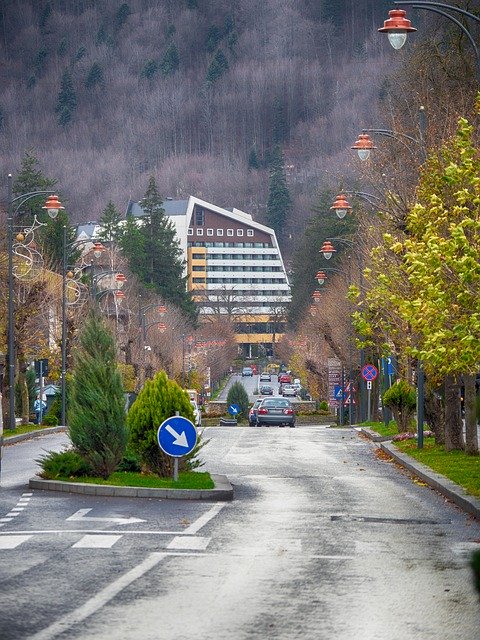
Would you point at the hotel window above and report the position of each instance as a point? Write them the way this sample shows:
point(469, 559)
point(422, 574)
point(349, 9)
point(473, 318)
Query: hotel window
point(209, 232)
point(250, 232)
point(190, 231)
point(199, 232)
point(229, 232)
point(219, 232)
point(199, 216)
point(239, 232)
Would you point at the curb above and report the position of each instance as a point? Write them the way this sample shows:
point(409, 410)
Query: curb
point(373, 435)
point(223, 490)
point(31, 434)
point(443, 485)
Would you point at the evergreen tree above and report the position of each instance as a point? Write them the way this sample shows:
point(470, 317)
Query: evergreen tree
point(97, 406)
point(149, 70)
point(51, 240)
point(1, 118)
point(67, 100)
point(44, 16)
point(238, 395)
point(306, 259)
point(253, 162)
point(110, 222)
point(62, 47)
point(279, 203)
point(122, 15)
point(158, 400)
point(30, 179)
point(154, 254)
point(218, 66)
point(170, 61)
point(94, 76)
point(279, 125)
point(214, 37)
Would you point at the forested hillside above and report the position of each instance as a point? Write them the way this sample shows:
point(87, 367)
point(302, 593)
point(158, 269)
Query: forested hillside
point(195, 92)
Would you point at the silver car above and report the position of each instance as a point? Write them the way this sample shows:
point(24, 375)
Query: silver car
point(276, 411)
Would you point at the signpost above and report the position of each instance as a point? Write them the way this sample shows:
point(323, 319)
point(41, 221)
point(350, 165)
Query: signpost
point(233, 409)
point(177, 437)
point(369, 373)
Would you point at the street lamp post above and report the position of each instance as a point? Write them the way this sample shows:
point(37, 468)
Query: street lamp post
point(52, 206)
point(397, 26)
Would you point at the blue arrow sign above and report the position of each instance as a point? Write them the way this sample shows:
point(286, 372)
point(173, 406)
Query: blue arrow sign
point(234, 409)
point(177, 436)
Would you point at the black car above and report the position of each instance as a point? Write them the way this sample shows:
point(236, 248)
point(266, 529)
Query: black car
point(275, 411)
point(266, 390)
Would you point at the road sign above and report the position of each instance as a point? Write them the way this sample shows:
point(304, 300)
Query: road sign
point(337, 392)
point(369, 384)
point(233, 409)
point(177, 436)
point(369, 372)
point(390, 370)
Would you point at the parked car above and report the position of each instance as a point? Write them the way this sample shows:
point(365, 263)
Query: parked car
point(276, 411)
point(197, 414)
point(265, 377)
point(247, 371)
point(289, 390)
point(252, 414)
point(266, 390)
point(285, 378)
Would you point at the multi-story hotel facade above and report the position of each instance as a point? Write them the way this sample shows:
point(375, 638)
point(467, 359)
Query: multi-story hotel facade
point(234, 268)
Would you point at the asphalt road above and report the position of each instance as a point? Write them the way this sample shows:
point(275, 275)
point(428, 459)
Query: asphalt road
point(323, 540)
point(251, 384)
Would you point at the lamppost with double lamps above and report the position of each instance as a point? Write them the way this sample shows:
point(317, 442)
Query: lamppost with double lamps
point(397, 26)
point(52, 206)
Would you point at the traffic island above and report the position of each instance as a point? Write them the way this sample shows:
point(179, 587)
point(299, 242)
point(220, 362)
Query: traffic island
point(223, 490)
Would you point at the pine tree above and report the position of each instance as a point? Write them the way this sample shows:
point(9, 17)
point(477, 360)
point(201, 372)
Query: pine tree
point(170, 61)
point(238, 395)
point(279, 203)
point(110, 222)
point(150, 68)
point(51, 240)
point(217, 68)
point(214, 37)
point(253, 162)
point(122, 15)
point(67, 100)
point(30, 179)
point(158, 400)
point(97, 406)
point(154, 254)
point(280, 125)
point(94, 76)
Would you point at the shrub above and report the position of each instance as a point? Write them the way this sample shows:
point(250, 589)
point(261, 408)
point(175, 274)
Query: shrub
point(63, 464)
point(97, 406)
point(158, 400)
point(130, 462)
point(401, 399)
point(238, 395)
point(50, 420)
point(323, 406)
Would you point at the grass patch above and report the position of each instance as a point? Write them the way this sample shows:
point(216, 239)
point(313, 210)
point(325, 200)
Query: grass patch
point(186, 480)
point(24, 428)
point(383, 430)
point(462, 469)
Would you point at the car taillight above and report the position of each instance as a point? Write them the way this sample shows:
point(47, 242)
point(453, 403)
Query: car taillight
point(288, 412)
point(262, 411)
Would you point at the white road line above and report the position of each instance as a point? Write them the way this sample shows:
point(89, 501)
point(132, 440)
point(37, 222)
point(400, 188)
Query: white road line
point(11, 542)
point(18, 509)
point(192, 543)
point(96, 542)
point(24, 495)
point(99, 600)
point(11, 514)
point(5, 519)
point(203, 520)
point(57, 531)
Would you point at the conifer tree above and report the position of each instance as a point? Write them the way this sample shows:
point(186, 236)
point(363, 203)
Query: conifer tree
point(170, 61)
point(97, 405)
point(94, 76)
point(279, 203)
point(67, 100)
point(110, 223)
point(238, 395)
point(158, 400)
point(218, 66)
point(154, 253)
point(29, 179)
point(253, 162)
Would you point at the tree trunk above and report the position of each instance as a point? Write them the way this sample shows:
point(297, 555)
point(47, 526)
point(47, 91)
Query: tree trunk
point(453, 422)
point(435, 413)
point(469, 399)
point(22, 383)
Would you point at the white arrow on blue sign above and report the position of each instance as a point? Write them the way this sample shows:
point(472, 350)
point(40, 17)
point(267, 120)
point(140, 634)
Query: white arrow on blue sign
point(234, 409)
point(177, 436)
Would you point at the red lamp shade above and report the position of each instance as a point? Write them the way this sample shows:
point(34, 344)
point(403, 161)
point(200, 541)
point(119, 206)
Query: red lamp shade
point(397, 27)
point(162, 327)
point(120, 279)
point(363, 146)
point(320, 277)
point(316, 295)
point(327, 249)
point(98, 249)
point(341, 206)
point(162, 310)
point(53, 206)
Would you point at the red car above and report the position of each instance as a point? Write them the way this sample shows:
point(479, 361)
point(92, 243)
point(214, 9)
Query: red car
point(285, 378)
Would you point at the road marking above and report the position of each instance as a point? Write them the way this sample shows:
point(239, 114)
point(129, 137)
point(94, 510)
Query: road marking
point(96, 542)
point(12, 515)
point(85, 531)
point(203, 520)
point(11, 542)
point(192, 543)
point(81, 514)
point(99, 600)
point(18, 509)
